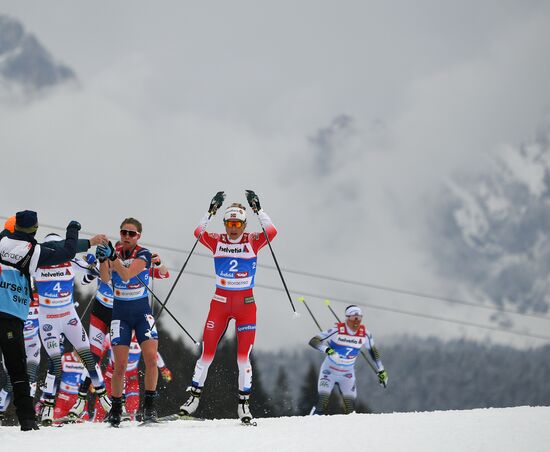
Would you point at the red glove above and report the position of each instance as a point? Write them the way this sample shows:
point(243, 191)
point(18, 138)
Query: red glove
point(155, 259)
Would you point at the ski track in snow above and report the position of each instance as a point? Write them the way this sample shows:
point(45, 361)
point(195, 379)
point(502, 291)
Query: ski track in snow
point(493, 429)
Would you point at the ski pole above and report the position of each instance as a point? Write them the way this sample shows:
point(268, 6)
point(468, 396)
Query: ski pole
point(182, 268)
point(153, 296)
point(88, 306)
point(303, 300)
point(276, 264)
point(327, 302)
point(151, 299)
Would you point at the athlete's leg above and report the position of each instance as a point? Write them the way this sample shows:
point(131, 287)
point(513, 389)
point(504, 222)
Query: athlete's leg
point(13, 350)
point(132, 392)
point(120, 353)
point(325, 384)
point(214, 328)
point(100, 412)
point(76, 334)
point(147, 337)
point(346, 383)
point(50, 334)
point(245, 324)
point(63, 404)
point(32, 349)
point(100, 320)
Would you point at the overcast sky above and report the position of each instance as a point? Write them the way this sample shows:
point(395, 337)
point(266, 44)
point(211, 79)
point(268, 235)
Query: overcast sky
point(345, 117)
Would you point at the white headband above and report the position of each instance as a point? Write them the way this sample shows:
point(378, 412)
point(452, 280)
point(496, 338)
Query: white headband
point(234, 213)
point(353, 310)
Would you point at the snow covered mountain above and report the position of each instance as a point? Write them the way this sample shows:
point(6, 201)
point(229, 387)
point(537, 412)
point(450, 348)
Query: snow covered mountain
point(492, 228)
point(25, 65)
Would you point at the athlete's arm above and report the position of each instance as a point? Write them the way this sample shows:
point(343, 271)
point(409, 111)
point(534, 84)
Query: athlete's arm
point(82, 245)
point(208, 240)
point(319, 342)
point(373, 351)
point(158, 270)
point(105, 271)
point(257, 239)
point(56, 256)
point(135, 268)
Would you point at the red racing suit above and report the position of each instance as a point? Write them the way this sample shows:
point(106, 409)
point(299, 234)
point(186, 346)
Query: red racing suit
point(235, 265)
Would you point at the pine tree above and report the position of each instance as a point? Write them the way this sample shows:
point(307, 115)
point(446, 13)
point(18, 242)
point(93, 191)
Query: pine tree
point(308, 392)
point(261, 404)
point(180, 359)
point(285, 404)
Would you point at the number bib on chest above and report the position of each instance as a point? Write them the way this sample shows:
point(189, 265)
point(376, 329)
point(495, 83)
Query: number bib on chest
point(55, 285)
point(235, 265)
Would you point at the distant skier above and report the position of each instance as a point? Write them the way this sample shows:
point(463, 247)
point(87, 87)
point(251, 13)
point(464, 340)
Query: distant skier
point(342, 344)
point(235, 254)
point(72, 370)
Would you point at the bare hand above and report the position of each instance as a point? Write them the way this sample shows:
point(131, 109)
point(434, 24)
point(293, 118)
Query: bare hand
point(99, 239)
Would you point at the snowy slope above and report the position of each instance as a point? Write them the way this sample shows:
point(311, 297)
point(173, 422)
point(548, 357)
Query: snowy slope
point(504, 429)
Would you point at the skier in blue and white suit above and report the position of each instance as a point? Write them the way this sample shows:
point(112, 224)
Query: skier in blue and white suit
point(57, 315)
point(342, 344)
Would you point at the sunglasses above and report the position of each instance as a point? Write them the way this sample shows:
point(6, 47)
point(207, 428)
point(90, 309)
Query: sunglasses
point(234, 223)
point(128, 233)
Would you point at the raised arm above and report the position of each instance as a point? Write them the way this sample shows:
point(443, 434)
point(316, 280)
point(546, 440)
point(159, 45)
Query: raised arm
point(64, 253)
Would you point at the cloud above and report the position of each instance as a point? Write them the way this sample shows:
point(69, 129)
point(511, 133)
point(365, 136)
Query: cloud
point(345, 134)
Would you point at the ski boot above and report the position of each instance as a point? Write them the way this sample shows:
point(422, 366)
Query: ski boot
point(104, 399)
point(243, 409)
point(189, 407)
point(149, 416)
point(48, 412)
point(149, 413)
point(114, 417)
point(28, 424)
point(78, 408)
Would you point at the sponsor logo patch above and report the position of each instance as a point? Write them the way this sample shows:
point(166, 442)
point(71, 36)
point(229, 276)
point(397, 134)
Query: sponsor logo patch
point(219, 298)
point(247, 327)
point(248, 300)
point(47, 327)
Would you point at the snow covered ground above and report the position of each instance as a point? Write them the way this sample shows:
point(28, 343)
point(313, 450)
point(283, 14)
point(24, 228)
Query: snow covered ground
point(502, 429)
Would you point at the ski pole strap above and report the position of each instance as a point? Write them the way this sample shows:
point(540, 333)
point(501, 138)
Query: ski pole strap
point(303, 300)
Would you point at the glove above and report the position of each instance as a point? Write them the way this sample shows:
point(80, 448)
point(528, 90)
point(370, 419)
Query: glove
point(383, 378)
point(330, 351)
point(166, 374)
point(104, 252)
point(155, 259)
point(74, 225)
point(90, 260)
point(253, 200)
point(216, 202)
